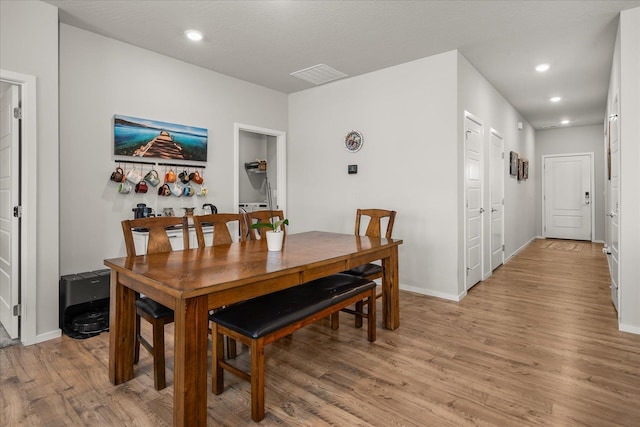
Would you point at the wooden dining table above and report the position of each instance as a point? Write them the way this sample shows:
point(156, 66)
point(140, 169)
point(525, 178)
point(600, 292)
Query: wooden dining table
point(194, 281)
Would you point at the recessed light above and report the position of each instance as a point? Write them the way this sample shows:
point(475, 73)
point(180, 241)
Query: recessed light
point(194, 35)
point(565, 122)
point(555, 99)
point(541, 68)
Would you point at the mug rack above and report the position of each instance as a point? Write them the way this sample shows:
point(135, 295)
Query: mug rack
point(177, 165)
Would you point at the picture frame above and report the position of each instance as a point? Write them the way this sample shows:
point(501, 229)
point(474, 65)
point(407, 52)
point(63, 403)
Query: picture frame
point(520, 169)
point(513, 163)
point(137, 137)
point(525, 169)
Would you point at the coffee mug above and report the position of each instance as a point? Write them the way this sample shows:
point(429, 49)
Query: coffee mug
point(196, 177)
point(133, 176)
point(164, 190)
point(124, 187)
point(117, 175)
point(142, 187)
point(170, 176)
point(202, 191)
point(188, 191)
point(152, 178)
point(184, 176)
point(176, 190)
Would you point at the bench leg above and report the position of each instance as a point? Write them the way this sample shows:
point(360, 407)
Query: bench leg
point(217, 354)
point(359, 309)
point(136, 347)
point(335, 320)
point(257, 379)
point(371, 319)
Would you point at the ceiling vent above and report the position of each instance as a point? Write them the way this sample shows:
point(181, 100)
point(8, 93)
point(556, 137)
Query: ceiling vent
point(319, 74)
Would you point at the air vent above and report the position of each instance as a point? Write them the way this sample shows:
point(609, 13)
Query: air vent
point(319, 74)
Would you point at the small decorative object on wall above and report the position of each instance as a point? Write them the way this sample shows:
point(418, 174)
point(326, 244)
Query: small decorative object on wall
point(520, 169)
point(525, 169)
point(513, 163)
point(353, 141)
point(137, 137)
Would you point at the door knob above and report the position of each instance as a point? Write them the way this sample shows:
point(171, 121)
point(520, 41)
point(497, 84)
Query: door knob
point(494, 210)
point(481, 210)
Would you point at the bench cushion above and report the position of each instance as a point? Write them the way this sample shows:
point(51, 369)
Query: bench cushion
point(365, 270)
point(156, 310)
point(261, 316)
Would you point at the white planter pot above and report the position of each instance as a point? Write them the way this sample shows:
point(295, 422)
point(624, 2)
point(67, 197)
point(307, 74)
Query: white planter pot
point(274, 240)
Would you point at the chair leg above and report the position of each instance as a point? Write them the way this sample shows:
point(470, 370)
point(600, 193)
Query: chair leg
point(232, 350)
point(257, 379)
point(371, 316)
point(335, 320)
point(159, 379)
point(136, 347)
point(217, 354)
point(359, 309)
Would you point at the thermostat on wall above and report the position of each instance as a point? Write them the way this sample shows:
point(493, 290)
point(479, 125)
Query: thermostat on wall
point(352, 169)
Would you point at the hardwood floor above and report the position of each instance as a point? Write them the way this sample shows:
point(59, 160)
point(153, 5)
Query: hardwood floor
point(537, 343)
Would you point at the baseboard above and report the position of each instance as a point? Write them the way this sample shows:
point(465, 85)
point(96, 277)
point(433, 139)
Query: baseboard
point(431, 293)
point(629, 328)
point(521, 248)
point(598, 241)
point(48, 336)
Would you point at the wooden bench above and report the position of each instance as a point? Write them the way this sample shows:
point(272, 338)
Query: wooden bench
point(263, 320)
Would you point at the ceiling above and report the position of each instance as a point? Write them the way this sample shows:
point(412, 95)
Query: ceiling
point(264, 41)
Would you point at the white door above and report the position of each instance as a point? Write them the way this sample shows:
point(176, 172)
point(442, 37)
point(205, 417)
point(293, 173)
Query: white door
point(9, 196)
point(474, 210)
point(614, 206)
point(568, 197)
point(497, 200)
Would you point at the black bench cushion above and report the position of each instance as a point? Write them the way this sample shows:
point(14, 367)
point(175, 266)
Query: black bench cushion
point(156, 310)
point(365, 270)
point(261, 316)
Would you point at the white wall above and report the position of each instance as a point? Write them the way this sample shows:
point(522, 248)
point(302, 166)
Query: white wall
point(629, 72)
point(29, 45)
point(477, 96)
point(580, 139)
point(100, 77)
point(407, 115)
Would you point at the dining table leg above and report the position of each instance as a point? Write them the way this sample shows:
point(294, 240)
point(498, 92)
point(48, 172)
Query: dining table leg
point(390, 291)
point(122, 314)
point(190, 362)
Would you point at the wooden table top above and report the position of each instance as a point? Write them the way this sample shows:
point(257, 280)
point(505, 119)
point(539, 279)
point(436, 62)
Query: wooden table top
point(199, 271)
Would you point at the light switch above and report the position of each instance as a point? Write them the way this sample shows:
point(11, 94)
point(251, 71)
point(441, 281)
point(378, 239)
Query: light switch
point(352, 169)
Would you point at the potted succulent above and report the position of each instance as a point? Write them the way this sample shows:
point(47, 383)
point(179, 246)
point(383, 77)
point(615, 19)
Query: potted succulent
point(275, 235)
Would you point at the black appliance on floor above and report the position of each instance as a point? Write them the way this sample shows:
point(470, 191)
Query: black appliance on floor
point(84, 303)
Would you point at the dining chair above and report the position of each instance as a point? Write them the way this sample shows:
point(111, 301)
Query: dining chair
point(262, 216)
point(153, 312)
point(368, 271)
point(220, 223)
point(221, 236)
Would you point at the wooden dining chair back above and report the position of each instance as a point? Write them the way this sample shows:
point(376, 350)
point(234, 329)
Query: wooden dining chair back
point(369, 271)
point(156, 314)
point(220, 223)
point(264, 217)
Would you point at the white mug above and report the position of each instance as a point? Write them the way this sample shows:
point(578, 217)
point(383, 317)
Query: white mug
point(133, 176)
point(176, 190)
point(124, 187)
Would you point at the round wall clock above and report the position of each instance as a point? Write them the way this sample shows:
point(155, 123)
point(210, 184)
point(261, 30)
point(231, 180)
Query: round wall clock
point(353, 141)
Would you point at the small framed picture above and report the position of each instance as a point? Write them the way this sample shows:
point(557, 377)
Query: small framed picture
point(513, 163)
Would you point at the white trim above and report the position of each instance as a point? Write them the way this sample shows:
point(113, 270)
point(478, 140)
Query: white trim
point(430, 293)
point(495, 132)
point(29, 193)
point(633, 329)
point(281, 173)
point(57, 333)
point(521, 248)
point(592, 183)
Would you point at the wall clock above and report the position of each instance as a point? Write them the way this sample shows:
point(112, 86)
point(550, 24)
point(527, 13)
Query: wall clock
point(353, 141)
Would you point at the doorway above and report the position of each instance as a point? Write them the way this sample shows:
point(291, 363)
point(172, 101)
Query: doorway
point(497, 199)
point(567, 196)
point(259, 183)
point(473, 147)
point(27, 176)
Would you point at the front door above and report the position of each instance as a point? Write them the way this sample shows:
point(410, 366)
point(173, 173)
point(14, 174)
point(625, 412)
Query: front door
point(497, 200)
point(473, 183)
point(9, 197)
point(568, 196)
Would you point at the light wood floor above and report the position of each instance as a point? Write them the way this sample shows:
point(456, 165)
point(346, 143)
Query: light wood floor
point(535, 344)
